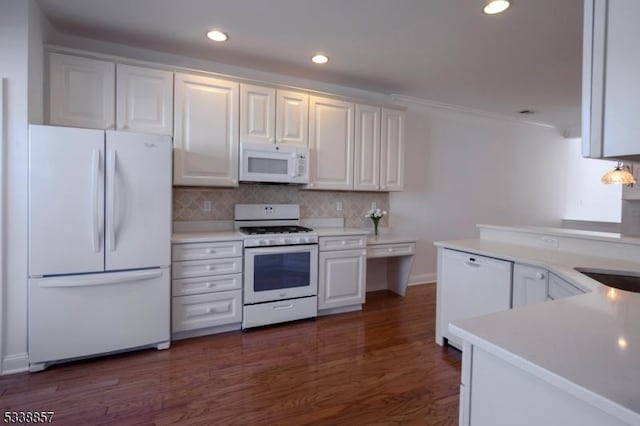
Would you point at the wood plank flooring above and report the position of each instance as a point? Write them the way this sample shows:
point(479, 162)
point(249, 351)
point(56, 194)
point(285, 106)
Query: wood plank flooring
point(380, 366)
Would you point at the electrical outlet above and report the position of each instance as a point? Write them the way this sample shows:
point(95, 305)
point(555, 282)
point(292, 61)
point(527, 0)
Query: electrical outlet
point(339, 206)
point(374, 205)
point(549, 242)
point(206, 206)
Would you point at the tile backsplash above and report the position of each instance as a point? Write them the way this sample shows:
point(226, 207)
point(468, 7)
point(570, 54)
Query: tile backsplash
point(189, 202)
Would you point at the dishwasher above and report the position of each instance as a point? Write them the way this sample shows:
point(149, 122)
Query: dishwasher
point(469, 286)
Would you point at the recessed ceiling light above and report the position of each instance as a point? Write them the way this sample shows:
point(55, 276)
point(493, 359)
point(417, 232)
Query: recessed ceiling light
point(496, 6)
point(217, 35)
point(320, 59)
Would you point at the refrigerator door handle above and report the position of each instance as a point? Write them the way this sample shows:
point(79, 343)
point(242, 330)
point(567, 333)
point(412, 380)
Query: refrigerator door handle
point(123, 279)
point(96, 202)
point(112, 204)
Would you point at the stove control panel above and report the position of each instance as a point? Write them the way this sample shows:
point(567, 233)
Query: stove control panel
point(279, 240)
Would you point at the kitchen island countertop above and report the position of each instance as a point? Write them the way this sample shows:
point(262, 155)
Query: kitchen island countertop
point(587, 345)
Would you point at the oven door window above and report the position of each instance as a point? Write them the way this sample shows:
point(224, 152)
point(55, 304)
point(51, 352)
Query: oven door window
point(282, 270)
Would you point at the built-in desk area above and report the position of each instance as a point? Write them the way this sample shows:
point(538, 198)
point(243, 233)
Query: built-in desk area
point(397, 252)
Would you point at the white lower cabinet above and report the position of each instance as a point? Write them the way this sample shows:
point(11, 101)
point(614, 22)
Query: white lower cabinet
point(206, 310)
point(206, 288)
point(529, 285)
point(559, 288)
point(342, 278)
point(499, 393)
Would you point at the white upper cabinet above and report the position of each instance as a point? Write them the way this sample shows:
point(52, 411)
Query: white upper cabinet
point(292, 118)
point(144, 100)
point(331, 138)
point(273, 116)
point(611, 88)
point(81, 92)
point(102, 95)
point(392, 150)
point(257, 114)
point(367, 148)
point(206, 131)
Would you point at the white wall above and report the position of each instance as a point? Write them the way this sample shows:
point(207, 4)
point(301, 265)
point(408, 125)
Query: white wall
point(22, 28)
point(587, 197)
point(463, 169)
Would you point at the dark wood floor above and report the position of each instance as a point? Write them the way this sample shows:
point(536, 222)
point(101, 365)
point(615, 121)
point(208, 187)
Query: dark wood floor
point(378, 366)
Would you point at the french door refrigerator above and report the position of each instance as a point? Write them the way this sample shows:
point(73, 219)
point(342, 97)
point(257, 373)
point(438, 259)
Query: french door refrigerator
point(99, 242)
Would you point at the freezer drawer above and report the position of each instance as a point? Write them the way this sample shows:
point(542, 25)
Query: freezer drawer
point(77, 316)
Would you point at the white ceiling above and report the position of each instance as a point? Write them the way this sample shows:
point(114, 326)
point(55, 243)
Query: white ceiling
point(444, 51)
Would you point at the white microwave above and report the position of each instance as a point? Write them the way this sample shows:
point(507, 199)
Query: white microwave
point(273, 163)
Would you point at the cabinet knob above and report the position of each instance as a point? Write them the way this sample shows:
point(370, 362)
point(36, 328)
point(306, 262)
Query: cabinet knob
point(272, 140)
point(109, 126)
point(539, 275)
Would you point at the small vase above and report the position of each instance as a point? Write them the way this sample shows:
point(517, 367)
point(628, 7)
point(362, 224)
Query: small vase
point(376, 222)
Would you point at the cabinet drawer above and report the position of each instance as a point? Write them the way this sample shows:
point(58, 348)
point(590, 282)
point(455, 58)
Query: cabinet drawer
point(343, 243)
point(559, 288)
point(206, 310)
point(200, 285)
point(201, 268)
point(198, 251)
point(390, 250)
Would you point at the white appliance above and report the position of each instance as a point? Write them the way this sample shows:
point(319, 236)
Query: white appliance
point(99, 242)
point(280, 264)
point(274, 163)
point(472, 286)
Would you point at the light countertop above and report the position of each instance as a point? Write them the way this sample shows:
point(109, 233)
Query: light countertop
point(564, 232)
point(587, 345)
point(386, 237)
point(206, 237)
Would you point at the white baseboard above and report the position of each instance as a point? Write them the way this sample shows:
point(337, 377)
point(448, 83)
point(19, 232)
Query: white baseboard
point(429, 278)
point(16, 363)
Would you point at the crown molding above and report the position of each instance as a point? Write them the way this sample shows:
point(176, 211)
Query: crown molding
point(471, 111)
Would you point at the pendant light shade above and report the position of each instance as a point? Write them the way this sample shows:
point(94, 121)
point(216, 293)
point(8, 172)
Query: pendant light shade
point(621, 175)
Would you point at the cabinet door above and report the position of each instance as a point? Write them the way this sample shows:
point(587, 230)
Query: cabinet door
point(529, 285)
point(257, 114)
point(392, 150)
point(292, 118)
point(331, 144)
point(81, 92)
point(206, 131)
point(610, 90)
point(342, 278)
point(144, 100)
point(622, 88)
point(367, 149)
point(560, 288)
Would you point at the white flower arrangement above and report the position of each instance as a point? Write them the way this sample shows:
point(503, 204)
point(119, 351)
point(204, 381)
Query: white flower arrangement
point(375, 214)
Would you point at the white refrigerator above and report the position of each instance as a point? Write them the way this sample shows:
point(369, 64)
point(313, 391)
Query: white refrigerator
point(99, 242)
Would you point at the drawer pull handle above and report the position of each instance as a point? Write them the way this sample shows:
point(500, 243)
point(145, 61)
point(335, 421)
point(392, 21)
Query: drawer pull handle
point(344, 242)
point(210, 268)
point(283, 307)
point(210, 251)
point(390, 250)
point(472, 264)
